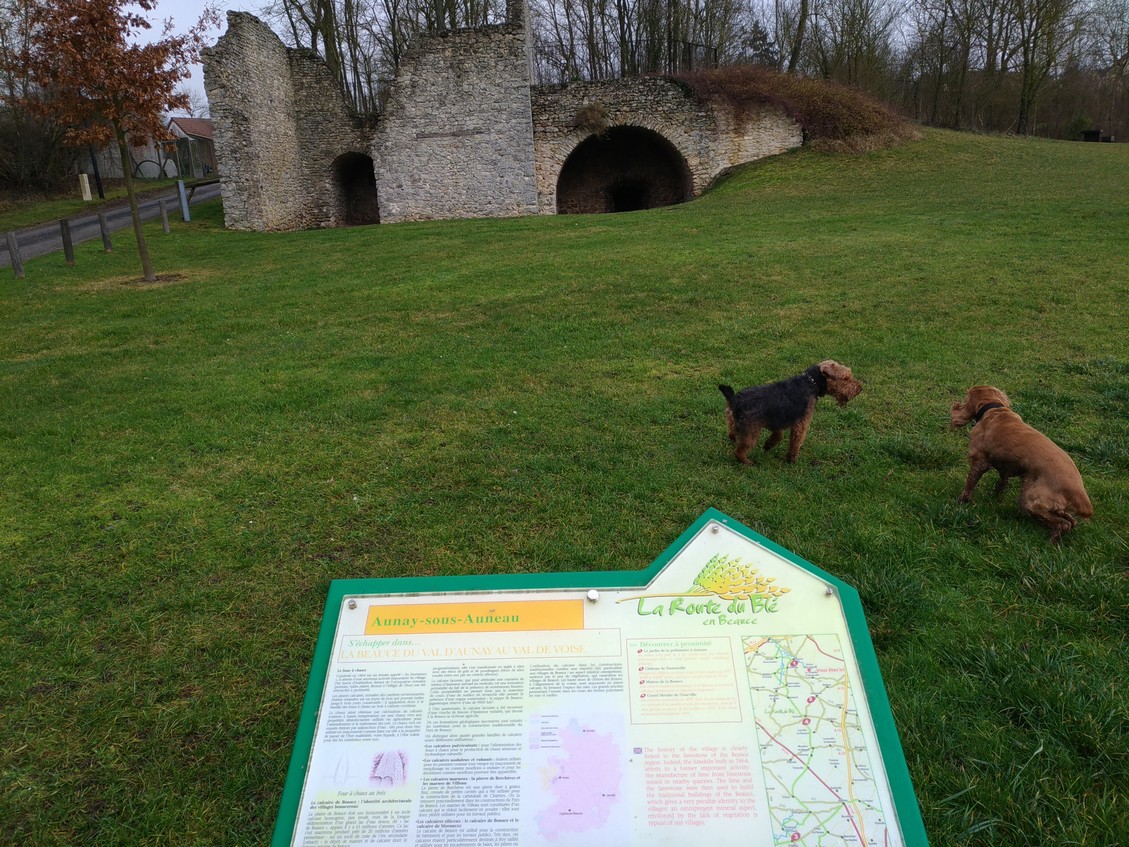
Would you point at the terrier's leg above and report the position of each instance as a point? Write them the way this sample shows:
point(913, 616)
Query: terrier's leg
point(800, 431)
point(746, 441)
point(797, 435)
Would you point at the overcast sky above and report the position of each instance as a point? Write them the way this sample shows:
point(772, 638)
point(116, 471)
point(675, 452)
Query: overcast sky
point(185, 13)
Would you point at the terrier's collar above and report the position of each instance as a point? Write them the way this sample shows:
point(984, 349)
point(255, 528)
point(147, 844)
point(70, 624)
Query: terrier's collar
point(818, 381)
point(983, 410)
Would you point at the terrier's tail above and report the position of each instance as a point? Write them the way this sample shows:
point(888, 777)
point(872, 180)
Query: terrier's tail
point(728, 392)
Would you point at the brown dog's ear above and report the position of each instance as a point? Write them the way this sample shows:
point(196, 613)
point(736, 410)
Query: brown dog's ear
point(960, 414)
point(978, 395)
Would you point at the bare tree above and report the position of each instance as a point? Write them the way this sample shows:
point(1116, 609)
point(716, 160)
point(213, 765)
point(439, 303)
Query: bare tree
point(940, 53)
point(195, 102)
point(1045, 30)
point(851, 41)
point(958, 63)
point(1109, 58)
point(801, 27)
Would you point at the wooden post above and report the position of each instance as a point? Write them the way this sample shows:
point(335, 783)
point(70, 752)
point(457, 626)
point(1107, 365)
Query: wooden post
point(164, 214)
point(68, 245)
point(105, 233)
point(183, 200)
point(14, 253)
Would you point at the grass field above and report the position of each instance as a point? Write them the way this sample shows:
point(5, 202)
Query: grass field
point(186, 466)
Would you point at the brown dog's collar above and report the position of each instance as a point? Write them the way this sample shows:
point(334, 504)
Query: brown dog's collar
point(983, 410)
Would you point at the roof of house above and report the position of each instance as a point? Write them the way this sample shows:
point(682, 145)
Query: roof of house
point(198, 127)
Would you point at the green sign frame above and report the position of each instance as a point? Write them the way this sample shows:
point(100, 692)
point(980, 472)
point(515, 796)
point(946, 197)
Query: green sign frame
point(908, 813)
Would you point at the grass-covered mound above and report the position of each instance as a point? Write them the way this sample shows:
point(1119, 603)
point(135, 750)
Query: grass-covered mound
point(833, 116)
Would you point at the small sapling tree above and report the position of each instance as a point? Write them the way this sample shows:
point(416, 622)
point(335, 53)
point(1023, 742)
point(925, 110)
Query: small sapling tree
point(101, 85)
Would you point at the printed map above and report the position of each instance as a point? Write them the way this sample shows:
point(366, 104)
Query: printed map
point(821, 786)
point(581, 780)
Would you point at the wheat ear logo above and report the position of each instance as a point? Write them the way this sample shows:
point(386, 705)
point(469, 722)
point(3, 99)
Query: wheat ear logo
point(728, 578)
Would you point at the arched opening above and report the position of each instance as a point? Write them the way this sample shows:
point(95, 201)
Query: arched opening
point(355, 179)
point(629, 196)
point(623, 170)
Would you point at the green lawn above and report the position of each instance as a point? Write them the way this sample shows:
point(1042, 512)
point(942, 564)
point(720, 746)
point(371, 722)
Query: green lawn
point(185, 466)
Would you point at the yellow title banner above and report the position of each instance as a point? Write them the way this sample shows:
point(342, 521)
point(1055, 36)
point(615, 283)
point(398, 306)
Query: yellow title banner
point(522, 616)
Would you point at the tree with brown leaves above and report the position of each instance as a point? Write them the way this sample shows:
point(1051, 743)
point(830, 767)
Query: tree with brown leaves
point(94, 80)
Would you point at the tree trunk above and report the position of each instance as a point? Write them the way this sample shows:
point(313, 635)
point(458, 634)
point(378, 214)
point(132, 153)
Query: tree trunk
point(801, 25)
point(138, 231)
point(1024, 111)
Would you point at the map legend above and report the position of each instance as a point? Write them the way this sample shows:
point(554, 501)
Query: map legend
point(691, 680)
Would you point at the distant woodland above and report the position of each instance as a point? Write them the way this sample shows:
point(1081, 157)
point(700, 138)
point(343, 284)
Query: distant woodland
point(1047, 67)
point(1054, 68)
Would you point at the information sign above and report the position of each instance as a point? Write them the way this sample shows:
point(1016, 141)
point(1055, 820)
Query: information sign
point(727, 695)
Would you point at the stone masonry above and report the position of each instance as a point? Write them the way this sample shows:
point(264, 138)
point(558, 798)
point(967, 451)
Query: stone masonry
point(710, 140)
point(464, 134)
point(455, 139)
point(280, 122)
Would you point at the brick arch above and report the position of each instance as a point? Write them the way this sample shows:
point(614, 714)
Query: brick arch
point(623, 169)
point(645, 103)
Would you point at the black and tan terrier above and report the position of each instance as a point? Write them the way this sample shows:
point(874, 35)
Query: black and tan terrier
point(785, 405)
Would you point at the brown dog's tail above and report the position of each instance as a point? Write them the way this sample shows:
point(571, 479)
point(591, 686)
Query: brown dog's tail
point(728, 392)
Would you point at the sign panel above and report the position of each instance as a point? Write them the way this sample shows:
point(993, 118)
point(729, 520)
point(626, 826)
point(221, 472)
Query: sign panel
point(729, 695)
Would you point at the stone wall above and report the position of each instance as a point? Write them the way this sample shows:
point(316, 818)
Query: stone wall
point(280, 122)
point(622, 169)
point(326, 130)
point(463, 135)
point(456, 137)
point(710, 138)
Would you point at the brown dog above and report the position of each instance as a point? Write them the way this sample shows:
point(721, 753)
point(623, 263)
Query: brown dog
point(785, 405)
point(1052, 489)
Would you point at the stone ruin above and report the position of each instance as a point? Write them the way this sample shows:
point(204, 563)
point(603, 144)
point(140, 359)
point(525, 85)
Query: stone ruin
point(464, 134)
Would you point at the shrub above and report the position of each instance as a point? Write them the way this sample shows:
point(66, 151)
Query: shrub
point(32, 154)
point(592, 118)
point(833, 116)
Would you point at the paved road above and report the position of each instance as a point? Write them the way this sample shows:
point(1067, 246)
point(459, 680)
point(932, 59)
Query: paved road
point(47, 238)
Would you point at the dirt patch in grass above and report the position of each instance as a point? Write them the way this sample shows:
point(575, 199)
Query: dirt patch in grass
point(161, 279)
point(118, 282)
